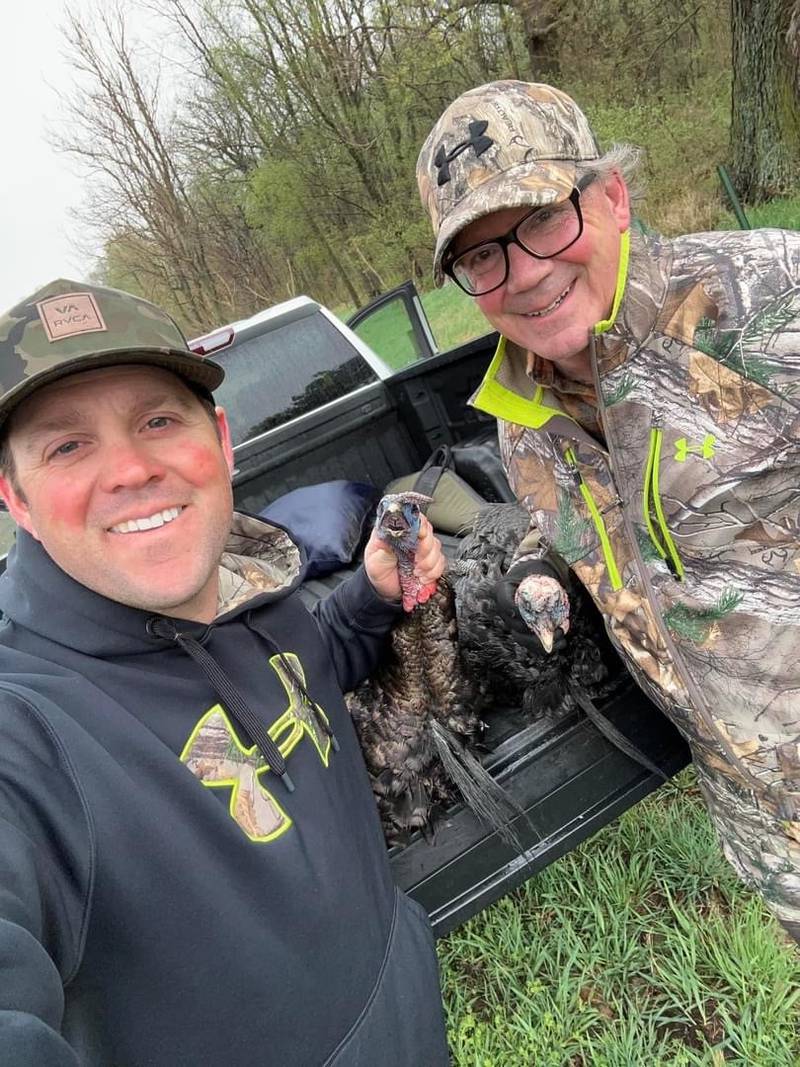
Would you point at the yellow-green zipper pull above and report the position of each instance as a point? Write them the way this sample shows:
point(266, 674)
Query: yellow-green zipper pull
point(597, 519)
point(670, 552)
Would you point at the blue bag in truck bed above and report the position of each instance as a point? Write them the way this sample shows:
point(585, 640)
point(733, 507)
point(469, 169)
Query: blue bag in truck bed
point(331, 520)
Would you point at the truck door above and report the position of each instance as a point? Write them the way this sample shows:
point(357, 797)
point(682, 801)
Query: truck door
point(396, 327)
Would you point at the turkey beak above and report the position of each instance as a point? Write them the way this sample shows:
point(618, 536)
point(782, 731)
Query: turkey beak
point(545, 635)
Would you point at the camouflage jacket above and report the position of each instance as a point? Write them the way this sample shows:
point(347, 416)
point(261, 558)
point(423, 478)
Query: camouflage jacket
point(672, 491)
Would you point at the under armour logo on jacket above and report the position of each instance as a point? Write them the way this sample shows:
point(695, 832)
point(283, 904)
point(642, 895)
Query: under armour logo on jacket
point(705, 449)
point(442, 159)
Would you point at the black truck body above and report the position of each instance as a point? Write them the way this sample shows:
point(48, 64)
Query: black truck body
point(380, 424)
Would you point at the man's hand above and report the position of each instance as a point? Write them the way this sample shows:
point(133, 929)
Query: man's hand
point(380, 562)
point(508, 611)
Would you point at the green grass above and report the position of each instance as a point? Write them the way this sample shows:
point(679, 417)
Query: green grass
point(782, 213)
point(388, 332)
point(454, 316)
point(638, 948)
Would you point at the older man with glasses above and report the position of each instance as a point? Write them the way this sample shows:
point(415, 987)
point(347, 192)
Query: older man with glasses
point(648, 398)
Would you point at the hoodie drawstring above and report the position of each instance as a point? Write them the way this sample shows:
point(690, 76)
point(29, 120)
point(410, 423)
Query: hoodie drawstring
point(319, 714)
point(230, 696)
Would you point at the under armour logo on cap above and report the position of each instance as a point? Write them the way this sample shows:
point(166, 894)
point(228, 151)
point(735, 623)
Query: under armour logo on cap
point(442, 159)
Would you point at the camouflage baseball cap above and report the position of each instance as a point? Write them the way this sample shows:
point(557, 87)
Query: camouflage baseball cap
point(505, 144)
point(68, 327)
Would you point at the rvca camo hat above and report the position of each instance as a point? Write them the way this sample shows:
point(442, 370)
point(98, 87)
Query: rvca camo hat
point(68, 327)
point(505, 144)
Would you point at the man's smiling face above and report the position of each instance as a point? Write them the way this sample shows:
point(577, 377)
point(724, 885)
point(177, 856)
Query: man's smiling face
point(548, 306)
point(124, 477)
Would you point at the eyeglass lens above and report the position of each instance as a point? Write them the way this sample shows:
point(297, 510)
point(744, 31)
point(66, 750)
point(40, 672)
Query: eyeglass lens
point(544, 232)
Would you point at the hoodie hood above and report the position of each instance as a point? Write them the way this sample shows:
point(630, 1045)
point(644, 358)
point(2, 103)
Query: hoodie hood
point(261, 563)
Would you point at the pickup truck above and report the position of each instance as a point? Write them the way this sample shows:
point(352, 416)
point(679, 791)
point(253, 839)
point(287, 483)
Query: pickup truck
point(309, 401)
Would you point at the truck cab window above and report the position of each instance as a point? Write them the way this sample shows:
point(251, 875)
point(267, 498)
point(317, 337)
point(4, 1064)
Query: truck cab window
point(286, 371)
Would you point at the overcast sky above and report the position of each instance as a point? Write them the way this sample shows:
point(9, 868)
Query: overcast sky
point(37, 186)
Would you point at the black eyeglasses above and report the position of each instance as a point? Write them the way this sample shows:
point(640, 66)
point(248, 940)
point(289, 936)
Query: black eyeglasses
point(543, 233)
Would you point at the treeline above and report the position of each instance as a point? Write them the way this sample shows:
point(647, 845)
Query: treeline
point(273, 153)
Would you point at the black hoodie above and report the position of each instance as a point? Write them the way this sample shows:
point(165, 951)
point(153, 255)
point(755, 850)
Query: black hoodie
point(165, 899)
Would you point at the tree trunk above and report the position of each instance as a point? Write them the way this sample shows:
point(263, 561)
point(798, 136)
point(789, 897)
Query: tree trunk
point(765, 120)
point(540, 31)
point(508, 44)
point(335, 261)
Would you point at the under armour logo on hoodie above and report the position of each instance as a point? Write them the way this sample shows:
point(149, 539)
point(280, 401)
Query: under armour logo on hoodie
point(215, 754)
point(443, 159)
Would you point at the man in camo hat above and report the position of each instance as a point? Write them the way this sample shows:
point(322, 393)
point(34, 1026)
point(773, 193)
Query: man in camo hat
point(191, 852)
point(647, 398)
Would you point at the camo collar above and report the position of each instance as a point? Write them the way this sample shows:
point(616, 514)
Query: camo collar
point(258, 558)
point(638, 308)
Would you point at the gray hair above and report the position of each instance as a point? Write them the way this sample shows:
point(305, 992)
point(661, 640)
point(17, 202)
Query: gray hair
point(627, 160)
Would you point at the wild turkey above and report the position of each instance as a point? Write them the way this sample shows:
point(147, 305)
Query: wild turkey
point(418, 715)
point(538, 681)
point(452, 657)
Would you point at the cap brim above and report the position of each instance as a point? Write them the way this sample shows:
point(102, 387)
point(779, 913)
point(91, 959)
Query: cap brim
point(526, 185)
point(193, 369)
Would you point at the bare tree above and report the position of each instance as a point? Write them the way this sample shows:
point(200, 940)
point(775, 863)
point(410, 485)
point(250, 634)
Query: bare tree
point(339, 94)
point(540, 23)
point(277, 154)
point(141, 203)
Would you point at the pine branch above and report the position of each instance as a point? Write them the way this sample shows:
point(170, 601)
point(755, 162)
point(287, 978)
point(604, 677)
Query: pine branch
point(570, 529)
point(694, 624)
point(620, 391)
point(647, 549)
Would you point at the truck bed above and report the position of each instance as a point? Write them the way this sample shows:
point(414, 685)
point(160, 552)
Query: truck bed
point(568, 779)
point(565, 776)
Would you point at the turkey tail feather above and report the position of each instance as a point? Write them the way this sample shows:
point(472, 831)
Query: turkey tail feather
point(481, 793)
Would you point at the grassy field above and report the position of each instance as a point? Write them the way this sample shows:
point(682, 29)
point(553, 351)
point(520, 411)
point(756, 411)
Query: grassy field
point(454, 318)
point(782, 213)
point(639, 949)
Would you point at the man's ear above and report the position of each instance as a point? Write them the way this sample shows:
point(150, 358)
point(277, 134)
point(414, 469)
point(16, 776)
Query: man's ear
point(619, 199)
point(17, 506)
point(225, 436)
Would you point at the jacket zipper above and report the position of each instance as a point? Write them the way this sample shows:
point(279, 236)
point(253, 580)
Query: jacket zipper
point(650, 490)
point(695, 695)
point(597, 519)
